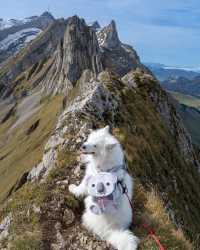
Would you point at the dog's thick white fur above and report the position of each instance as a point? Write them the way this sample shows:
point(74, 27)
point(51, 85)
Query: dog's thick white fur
point(103, 152)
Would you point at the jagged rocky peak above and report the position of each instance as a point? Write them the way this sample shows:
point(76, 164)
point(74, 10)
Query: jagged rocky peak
point(79, 50)
point(117, 56)
point(45, 19)
point(48, 15)
point(108, 36)
point(94, 25)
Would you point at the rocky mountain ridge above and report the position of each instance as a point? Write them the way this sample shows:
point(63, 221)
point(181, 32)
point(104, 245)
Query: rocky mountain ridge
point(119, 58)
point(98, 90)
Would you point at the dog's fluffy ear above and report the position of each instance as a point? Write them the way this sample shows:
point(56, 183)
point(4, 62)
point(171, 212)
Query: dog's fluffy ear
point(107, 129)
point(110, 146)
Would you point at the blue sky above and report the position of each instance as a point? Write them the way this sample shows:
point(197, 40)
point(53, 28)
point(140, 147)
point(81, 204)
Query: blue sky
point(165, 31)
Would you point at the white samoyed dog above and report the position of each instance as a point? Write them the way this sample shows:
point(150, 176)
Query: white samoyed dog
point(104, 154)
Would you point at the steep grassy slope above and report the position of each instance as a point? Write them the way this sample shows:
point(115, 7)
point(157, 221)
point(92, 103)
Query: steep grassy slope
point(187, 100)
point(51, 216)
point(191, 119)
point(153, 156)
point(22, 147)
point(190, 113)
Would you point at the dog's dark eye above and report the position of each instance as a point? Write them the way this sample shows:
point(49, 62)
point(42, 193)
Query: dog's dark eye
point(95, 146)
point(93, 185)
point(108, 183)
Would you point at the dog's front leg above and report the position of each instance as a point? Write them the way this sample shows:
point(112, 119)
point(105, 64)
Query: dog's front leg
point(81, 189)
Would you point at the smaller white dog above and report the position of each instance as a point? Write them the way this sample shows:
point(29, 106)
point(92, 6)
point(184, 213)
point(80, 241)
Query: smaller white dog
point(104, 154)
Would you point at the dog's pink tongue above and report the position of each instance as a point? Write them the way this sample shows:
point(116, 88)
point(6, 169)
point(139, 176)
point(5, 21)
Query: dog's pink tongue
point(103, 202)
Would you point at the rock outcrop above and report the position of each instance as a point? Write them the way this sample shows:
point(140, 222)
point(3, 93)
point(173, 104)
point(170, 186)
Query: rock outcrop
point(95, 25)
point(116, 56)
point(77, 51)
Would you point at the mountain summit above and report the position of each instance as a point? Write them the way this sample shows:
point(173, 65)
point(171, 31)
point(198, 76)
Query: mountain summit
point(117, 56)
point(108, 36)
point(77, 50)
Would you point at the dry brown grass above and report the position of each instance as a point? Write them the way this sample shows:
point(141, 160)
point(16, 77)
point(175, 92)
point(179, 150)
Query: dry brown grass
point(149, 209)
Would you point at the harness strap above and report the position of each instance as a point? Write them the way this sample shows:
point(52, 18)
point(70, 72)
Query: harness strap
point(123, 186)
point(116, 168)
point(131, 205)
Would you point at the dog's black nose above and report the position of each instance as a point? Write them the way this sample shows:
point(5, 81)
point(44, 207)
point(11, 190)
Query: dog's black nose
point(100, 187)
point(83, 147)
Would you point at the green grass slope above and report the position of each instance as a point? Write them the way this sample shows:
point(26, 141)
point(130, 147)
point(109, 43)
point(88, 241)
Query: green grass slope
point(21, 148)
point(190, 113)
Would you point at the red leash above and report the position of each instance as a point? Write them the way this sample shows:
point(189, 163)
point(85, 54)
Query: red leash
point(131, 204)
point(153, 235)
point(150, 231)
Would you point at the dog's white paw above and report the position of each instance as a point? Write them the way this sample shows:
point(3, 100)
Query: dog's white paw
point(74, 190)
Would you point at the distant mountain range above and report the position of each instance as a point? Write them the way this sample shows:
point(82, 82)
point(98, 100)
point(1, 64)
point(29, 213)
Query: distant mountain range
point(185, 80)
point(16, 34)
point(163, 72)
point(183, 85)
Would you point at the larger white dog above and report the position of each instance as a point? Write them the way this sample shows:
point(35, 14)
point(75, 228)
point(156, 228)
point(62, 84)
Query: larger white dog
point(104, 154)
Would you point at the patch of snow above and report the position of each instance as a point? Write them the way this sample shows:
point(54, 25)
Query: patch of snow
point(23, 35)
point(30, 38)
point(5, 24)
point(101, 36)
